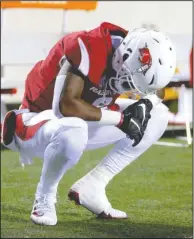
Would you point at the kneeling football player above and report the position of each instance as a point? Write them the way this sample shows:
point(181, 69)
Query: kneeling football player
point(71, 104)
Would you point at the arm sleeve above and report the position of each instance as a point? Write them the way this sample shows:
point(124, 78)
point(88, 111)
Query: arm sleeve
point(88, 53)
point(75, 60)
point(60, 82)
point(59, 85)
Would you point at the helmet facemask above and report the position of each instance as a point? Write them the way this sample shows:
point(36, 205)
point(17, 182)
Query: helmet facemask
point(123, 82)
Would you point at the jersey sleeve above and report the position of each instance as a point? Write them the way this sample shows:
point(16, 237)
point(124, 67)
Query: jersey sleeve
point(77, 54)
point(88, 55)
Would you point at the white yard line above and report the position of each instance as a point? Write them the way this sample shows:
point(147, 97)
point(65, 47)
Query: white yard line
point(170, 144)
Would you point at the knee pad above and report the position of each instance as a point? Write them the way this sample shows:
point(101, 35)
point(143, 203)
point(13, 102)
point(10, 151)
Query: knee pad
point(158, 122)
point(160, 113)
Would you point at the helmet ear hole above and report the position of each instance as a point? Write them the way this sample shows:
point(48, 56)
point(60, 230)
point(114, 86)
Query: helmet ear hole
point(129, 49)
point(125, 56)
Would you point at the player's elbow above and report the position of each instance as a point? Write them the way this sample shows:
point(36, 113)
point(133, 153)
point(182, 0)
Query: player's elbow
point(68, 107)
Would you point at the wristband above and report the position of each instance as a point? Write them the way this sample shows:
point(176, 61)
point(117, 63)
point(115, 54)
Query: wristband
point(111, 118)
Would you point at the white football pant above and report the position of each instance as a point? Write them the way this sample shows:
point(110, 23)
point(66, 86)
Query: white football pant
point(61, 143)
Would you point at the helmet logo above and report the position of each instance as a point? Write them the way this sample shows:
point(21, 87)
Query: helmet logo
point(145, 59)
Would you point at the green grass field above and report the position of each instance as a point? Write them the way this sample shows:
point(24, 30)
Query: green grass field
point(155, 191)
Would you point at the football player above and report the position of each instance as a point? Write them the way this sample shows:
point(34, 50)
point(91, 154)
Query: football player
point(71, 104)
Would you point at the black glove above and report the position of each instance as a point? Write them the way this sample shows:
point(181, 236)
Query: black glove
point(136, 117)
point(140, 110)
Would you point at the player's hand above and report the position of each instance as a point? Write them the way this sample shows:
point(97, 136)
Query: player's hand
point(133, 129)
point(140, 110)
point(136, 117)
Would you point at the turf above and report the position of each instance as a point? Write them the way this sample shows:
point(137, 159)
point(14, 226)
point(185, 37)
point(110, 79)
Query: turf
point(155, 191)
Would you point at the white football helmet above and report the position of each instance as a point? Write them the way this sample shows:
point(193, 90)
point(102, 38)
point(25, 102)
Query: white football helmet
point(144, 62)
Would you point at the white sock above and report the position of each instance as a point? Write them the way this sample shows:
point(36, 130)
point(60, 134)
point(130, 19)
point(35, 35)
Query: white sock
point(116, 160)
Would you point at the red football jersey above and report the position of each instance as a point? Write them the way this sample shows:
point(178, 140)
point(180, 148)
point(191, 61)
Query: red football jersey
point(88, 51)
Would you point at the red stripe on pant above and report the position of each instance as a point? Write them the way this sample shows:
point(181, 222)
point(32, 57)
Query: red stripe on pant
point(26, 132)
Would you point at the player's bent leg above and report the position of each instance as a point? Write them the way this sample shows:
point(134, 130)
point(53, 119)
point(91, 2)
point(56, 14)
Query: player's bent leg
point(89, 191)
point(63, 151)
